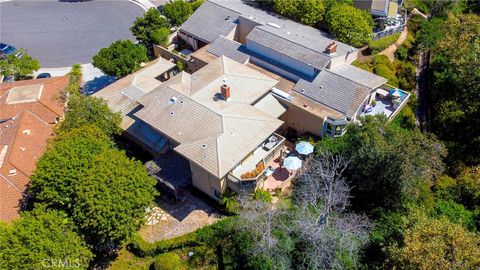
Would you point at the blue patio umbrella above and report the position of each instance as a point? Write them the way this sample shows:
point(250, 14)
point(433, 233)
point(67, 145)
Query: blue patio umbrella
point(304, 148)
point(395, 93)
point(292, 163)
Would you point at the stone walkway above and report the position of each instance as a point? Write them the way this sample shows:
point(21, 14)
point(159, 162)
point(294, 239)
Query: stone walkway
point(169, 220)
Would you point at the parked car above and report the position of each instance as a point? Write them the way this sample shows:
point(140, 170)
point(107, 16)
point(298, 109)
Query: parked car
point(6, 49)
point(44, 75)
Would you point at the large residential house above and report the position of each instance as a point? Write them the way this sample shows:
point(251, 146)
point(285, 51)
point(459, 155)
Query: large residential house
point(28, 112)
point(325, 92)
point(256, 75)
point(222, 119)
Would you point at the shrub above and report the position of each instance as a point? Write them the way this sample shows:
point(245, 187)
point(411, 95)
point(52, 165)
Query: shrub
point(160, 36)
point(380, 44)
point(262, 195)
point(230, 202)
point(408, 118)
point(401, 53)
point(75, 80)
point(386, 72)
point(406, 73)
point(180, 66)
point(142, 248)
point(169, 261)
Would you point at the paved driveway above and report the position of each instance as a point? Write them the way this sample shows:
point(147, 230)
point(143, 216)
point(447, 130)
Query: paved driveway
point(62, 33)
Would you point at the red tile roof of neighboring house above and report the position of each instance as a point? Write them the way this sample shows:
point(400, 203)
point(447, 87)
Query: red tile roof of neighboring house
point(47, 105)
point(24, 136)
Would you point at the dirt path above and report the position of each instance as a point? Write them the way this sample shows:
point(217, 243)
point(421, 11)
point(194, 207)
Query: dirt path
point(390, 51)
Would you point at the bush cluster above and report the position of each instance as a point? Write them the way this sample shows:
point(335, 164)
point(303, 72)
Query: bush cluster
point(380, 44)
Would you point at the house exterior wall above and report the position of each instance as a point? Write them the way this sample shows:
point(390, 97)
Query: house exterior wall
point(189, 39)
point(244, 27)
point(343, 59)
point(280, 58)
point(274, 69)
point(204, 181)
point(302, 121)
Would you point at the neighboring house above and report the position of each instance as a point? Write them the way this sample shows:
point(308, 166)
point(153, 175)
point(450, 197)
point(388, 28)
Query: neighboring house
point(28, 112)
point(326, 91)
point(222, 119)
point(389, 15)
point(378, 8)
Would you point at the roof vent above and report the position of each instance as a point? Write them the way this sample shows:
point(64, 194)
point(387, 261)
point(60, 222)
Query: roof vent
point(22, 148)
point(227, 18)
point(12, 172)
point(172, 113)
point(331, 48)
point(173, 100)
point(302, 90)
point(204, 146)
point(26, 132)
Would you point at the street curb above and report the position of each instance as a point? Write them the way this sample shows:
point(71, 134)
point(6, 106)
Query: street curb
point(144, 4)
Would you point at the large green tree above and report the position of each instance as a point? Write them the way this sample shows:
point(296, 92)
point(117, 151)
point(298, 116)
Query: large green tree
point(454, 98)
point(389, 166)
point(120, 58)
point(144, 27)
point(177, 11)
point(104, 192)
point(349, 24)
point(68, 157)
point(88, 110)
point(19, 67)
point(430, 243)
point(308, 12)
point(42, 239)
point(112, 197)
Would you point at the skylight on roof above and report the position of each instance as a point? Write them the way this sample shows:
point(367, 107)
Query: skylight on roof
point(274, 25)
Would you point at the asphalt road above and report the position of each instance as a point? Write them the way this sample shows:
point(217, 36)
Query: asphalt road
point(62, 33)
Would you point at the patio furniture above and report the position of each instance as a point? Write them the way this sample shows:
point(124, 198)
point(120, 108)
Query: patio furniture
point(304, 148)
point(292, 163)
point(271, 142)
point(382, 93)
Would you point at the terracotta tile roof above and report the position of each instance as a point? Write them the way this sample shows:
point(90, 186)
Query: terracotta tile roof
point(24, 136)
point(46, 105)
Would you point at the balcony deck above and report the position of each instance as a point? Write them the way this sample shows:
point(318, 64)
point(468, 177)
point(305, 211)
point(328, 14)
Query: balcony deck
point(384, 105)
point(281, 178)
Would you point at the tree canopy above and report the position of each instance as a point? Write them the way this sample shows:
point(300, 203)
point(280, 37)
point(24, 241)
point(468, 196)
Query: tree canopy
point(112, 197)
point(177, 11)
point(88, 110)
point(436, 244)
point(388, 165)
point(455, 86)
point(144, 27)
point(120, 58)
point(42, 239)
point(308, 12)
point(103, 191)
point(349, 24)
point(19, 67)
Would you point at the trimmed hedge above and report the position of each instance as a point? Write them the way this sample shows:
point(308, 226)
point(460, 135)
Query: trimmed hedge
point(380, 44)
point(142, 248)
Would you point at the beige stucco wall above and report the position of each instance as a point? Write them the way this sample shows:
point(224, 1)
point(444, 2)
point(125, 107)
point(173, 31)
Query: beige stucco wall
point(343, 59)
point(302, 121)
point(204, 181)
point(243, 29)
